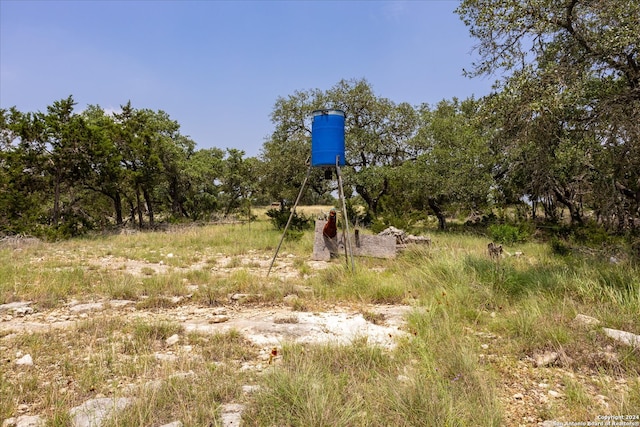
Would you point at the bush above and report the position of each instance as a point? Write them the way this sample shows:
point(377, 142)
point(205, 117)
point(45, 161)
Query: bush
point(279, 218)
point(592, 235)
point(508, 234)
point(559, 247)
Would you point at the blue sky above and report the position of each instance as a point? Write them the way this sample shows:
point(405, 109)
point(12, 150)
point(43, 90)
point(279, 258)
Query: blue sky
point(217, 67)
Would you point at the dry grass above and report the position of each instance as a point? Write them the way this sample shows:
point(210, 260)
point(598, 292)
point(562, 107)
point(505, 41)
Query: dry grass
point(476, 327)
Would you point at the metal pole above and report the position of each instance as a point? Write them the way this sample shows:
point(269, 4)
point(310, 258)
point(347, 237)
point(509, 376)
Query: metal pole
point(348, 249)
point(293, 211)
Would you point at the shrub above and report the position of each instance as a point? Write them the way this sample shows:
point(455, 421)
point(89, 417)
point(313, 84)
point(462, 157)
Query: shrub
point(279, 218)
point(592, 234)
point(508, 234)
point(559, 246)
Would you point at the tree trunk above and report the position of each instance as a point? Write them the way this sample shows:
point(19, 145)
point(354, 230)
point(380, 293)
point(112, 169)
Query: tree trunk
point(139, 207)
point(372, 202)
point(149, 203)
point(117, 206)
point(56, 199)
point(565, 198)
point(437, 211)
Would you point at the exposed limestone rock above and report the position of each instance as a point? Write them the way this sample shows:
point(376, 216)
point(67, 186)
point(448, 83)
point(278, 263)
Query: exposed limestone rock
point(417, 240)
point(585, 321)
point(545, 359)
point(17, 308)
point(94, 412)
point(248, 389)
point(172, 340)
point(400, 235)
point(25, 360)
point(83, 308)
point(624, 337)
point(24, 421)
point(231, 414)
point(219, 318)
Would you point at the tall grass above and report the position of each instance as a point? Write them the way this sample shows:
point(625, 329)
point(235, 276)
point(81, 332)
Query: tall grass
point(436, 375)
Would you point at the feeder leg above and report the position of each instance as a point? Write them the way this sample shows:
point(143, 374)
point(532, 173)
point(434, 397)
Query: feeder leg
point(348, 249)
point(293, 211)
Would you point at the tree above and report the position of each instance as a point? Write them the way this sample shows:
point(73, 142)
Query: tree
point(286, 154)
point(62, 140)
point(107, 175)
point(146, 140)
point(454, 165)
point(237, 181)
point(572, 79)
point(22, 189)
point(175, 151)
point(377, 136)
point(202, 173)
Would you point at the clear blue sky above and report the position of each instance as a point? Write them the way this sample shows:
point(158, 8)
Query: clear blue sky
point(217, 67)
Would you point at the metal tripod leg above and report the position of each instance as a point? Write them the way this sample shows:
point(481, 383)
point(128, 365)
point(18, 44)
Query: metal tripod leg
point(293, 211)
point(348, 249)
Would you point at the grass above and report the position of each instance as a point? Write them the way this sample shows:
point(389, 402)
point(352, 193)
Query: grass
point(475, 325)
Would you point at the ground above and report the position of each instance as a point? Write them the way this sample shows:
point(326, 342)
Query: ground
point(526, 387)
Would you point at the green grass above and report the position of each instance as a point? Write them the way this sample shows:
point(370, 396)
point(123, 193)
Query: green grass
point(439, 374)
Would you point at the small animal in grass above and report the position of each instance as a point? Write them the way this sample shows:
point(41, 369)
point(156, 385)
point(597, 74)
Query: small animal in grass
point(330, 229)
point(495, 251)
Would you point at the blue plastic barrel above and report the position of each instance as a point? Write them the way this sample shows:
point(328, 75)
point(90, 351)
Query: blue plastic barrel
point(327, 138)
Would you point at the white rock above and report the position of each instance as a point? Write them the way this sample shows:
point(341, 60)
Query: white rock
point(602, 401)
point(24, 421)
point(17, 307)
point(546, 359)
point(622, 336)
point(173, 424)
point(231, 414)
point(166, 357)
point(172, 340)
point(584, 320)
point(553, 393)
point(250, 388)
point(219, 318)
point(25, 360)
point(94, 412)
point(90, 306)
point(518, 396)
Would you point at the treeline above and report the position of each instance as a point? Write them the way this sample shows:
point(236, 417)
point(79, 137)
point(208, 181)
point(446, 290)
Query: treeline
point(557, 141)
point(63, 173)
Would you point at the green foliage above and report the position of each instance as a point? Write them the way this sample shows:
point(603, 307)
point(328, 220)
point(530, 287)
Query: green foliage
point(508, 234)
point(567, 109)
point(299, 222)
point(559, 246)
point(384, 221)
point(591, 234)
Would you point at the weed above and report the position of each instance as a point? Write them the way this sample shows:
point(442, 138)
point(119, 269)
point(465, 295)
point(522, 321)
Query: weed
point(375, 318)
